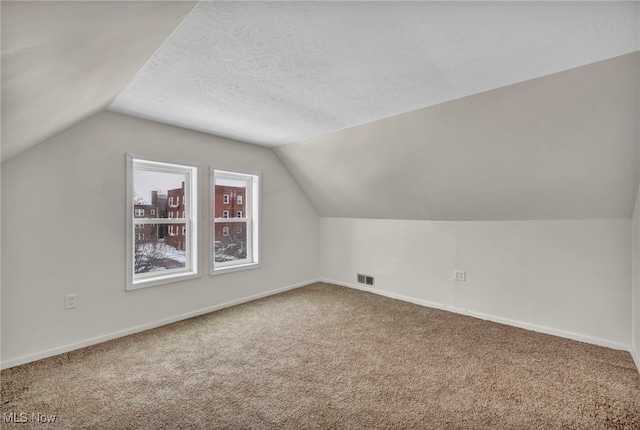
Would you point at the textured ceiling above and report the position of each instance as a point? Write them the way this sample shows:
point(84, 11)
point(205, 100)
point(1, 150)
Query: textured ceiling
point(63, 61)
point(276, 73)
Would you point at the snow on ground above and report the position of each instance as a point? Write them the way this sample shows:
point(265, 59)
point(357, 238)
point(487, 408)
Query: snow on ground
point(174, 253)
point(173, 257)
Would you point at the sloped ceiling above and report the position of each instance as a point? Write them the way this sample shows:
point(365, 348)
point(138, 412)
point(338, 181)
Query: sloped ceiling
point(414, 110)
point(277, 73)
point(63, 61)
point(564, 146)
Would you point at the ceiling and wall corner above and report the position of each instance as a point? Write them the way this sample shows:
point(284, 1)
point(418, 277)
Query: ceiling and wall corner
point(63, 61)
point(424, 110)
point(559, 147)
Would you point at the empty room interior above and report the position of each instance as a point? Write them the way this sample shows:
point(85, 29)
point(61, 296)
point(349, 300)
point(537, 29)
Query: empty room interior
point(320, 214)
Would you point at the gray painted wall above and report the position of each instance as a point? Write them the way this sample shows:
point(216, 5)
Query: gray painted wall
point(63, 220)
point(635, 295)
point(570, 278)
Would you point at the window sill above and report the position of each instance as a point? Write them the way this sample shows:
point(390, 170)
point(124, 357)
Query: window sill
point(229, 269)
point(152, 282)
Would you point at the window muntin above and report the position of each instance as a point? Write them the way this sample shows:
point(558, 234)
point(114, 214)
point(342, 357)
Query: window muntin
point(165, 248)
point(235, 240)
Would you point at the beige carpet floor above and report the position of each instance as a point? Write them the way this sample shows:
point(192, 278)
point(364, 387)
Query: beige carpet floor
point(328, 357)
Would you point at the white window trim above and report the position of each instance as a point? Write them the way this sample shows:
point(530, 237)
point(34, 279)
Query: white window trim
point(192, 266)
point(252, 205)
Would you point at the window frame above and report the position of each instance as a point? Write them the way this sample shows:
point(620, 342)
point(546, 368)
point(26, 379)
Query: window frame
point(252, 211)
point(191, 222)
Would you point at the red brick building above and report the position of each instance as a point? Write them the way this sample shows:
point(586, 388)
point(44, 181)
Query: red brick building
point(144, 233)
point(175, 209)
point(230, 202)
point(147, 233)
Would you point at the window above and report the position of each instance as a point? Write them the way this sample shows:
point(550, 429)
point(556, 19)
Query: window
point(139, 225)
point(153, 211)
point(240, 250)
point(139, 212)
point(160, 255)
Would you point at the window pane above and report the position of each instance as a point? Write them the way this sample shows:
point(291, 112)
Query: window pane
point(230, 241)
point(158, 194)
point(228, 193)
point(159, 247)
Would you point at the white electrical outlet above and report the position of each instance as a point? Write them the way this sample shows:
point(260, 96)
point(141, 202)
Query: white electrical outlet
point(70, 301)
point(459, 275)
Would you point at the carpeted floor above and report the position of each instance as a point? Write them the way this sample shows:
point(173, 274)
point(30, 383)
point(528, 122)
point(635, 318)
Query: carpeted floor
point(328, 357)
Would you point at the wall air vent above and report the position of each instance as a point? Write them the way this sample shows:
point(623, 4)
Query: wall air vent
point(365, 279)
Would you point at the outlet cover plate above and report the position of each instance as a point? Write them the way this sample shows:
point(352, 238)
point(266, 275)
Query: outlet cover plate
point(70, 301)
point(459, 275)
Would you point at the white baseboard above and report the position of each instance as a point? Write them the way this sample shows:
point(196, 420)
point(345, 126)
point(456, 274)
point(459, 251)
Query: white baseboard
point(493, 318)
point(636, 357)
point(99, 339)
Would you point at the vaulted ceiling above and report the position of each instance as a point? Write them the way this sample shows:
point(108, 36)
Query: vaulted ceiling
point(64, 61)
point(563, 146)
point(444, 110)
point(276, 73)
